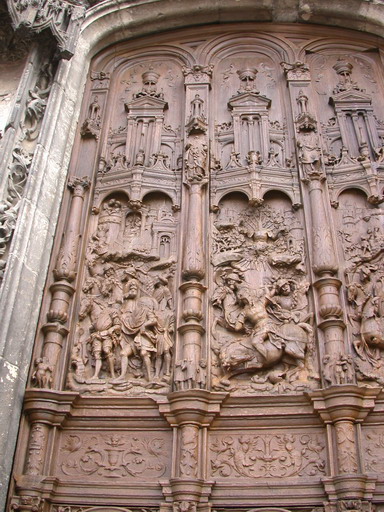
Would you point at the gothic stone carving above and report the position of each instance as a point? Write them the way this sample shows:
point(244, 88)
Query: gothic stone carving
point(204, 262)
point(62, 18)
point(363, 246)
point(114, 456)
point(21, 159)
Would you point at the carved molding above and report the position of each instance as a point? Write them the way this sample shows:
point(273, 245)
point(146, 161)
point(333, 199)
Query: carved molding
point(62, 18)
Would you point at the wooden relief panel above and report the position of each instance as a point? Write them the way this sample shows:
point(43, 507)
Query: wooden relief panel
point(218, 276)
point(257, 455)
point(113, 456)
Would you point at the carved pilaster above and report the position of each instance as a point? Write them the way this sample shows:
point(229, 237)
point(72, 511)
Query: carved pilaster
point(324, 262)
point(343, 408)
point(62, 290)
point(196, 169)
point(190, 413)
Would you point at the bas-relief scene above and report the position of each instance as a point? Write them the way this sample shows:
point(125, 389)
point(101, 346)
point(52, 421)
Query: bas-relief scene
point(228, 242)
point(260, 335)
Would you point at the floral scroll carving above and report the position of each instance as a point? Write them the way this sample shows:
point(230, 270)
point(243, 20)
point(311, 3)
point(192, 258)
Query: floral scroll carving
point(114, 456)
point(267, 456)
point(22, 154)
point(374, 450)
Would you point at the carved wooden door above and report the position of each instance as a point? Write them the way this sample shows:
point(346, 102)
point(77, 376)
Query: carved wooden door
point(222, 237)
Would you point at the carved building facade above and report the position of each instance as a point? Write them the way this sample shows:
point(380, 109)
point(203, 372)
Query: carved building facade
point(211, 328)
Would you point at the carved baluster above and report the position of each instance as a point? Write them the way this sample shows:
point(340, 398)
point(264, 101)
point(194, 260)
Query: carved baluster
point(341, 408)
point(197, 82)
point(325, 265)
point(38, 439)
point(62, 289)
point(190, 414)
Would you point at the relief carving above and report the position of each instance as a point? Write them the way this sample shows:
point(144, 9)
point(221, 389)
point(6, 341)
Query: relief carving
point(124, 336)
point(338, 369)
point(267, 456)
point(354, 505)
point(67, 508)
point(363, 246)
point(92, 124)
point(308, 142)
point(62, 18)
point(114, 456)
point(189, 451)
point(21, 159)
point(36, 449)
point(374, 450)
point(196, 159)
point(184, 506)
point(262, 319)
point(27, 504)
point(296, 71)
point(251, 176)
point(346, 447)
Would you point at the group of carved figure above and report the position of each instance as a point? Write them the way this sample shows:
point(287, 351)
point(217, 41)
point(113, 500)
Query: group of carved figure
point(125, 322)
point(262, 322)
point(366, 296)
point(269, 326)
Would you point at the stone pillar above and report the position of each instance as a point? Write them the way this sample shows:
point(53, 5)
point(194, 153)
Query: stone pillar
point(324, 262)
point(190, 413)
point(343, 409)
point(197, 84)
point(62, 289)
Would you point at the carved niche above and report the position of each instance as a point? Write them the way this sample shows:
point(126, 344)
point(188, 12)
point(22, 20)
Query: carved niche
point(362, 242)
point(123, 334)
point(262, 331)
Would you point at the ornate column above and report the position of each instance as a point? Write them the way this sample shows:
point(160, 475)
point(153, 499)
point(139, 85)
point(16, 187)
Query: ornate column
point(343, 409)
point(196, 163)
point(342, 405)
point(44, 410)
point(190, 414)
point(324, 262)
point(55, 330)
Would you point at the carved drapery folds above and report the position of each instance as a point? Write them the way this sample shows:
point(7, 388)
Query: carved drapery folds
point(227, 244)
